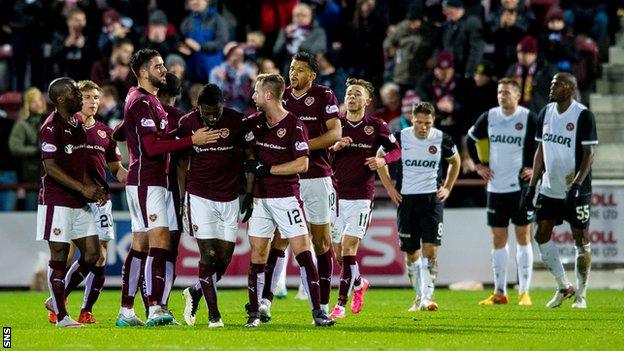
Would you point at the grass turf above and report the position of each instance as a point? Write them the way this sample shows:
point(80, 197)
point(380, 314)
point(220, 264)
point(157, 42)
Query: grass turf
point(384, 324)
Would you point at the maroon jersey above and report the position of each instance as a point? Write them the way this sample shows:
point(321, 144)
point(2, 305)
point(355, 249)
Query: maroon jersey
point(314, 108)
point(173, 118)
point(283, 142)
point(355, 181)
point(214, 169)
point(102, 149)
point(143, 115)
point(65, 143)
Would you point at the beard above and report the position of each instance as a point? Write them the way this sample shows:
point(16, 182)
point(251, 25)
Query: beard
point(156, 82)
point(75, 106)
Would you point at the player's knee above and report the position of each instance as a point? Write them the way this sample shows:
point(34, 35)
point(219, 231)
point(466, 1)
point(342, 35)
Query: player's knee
point(91, 258)
point(101, 262)
point(411, 257)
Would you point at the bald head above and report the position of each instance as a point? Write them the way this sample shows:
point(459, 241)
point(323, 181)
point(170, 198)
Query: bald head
point(65, 95)
point(567, 78)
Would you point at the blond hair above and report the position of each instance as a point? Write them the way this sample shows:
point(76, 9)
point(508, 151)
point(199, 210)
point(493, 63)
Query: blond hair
point(29, 95)
point(272, 82)
point(85, 85)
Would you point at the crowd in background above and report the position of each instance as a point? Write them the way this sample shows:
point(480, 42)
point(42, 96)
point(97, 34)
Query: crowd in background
point(449, 52)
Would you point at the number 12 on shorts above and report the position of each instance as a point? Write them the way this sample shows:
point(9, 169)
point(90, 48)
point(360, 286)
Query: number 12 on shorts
point(294, 216)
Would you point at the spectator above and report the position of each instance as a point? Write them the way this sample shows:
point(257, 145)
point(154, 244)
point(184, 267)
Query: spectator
point(157, 36)
point(266, 65)
point(524, 18)
point(390, 94)
point(176, 65)
point(24, 142)
point(254, 46)
point(205, 33)
point(588, 17)
point(411, 46)
point(533, 75)
point(234, 77)
point(113, 29)
point(193, 95)
point(331, 76)
point(302, 34)
point(8, 198)
point(405, 119)
point(110, 111)
point(557, 43)
point(481, 94)
point(115, 69)
point(72, 50)
point(506, 37)
point(362, 43)
point(461, 36)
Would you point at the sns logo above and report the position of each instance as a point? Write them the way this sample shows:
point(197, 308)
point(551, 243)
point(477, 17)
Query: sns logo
point(48, 147)
point(300, 146)
point(69, 149)
point(147, 122)
point(331, 109)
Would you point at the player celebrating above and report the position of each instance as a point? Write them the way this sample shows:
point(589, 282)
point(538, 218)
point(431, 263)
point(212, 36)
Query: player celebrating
point(355, 165)
point(510, 129)
point(281, 148)
point(63, 215)
point(102, 151)
point(144, 126)
point(566, 132)
point(421, 198)
point(212, 191)
point(317, 107)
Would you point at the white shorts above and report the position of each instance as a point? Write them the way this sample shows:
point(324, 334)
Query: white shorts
point(148, 207)
point(353, 219)
point(103, 220)
point(64, 224)
point(319, 197)
point(284, 213)
point(172, 216)
point(212, 219)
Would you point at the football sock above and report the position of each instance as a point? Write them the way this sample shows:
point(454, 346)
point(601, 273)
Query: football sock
point(75, 275)
point(196, 291)
point(524, 261)
point(208, 280)
point(56, 285)
point(413, 273)
point(274, 268)
point(325, 263)
point(131, 276)
point(281, 279)
point(349, 267)
point(550, 256)
point(582, 267)
point(309, 278)
point(427, 274)
point(93, 286)
point(255, 284)
point(155, 270)
point(499, 266)
point(169, 276)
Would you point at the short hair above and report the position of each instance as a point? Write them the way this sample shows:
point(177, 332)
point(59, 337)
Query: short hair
point(173, 86)
point(389, 86)
point(568, 77)
point(426, 108)
point(140, 58)
point(119, 42)
point(509, 81)
point(85, 85)
point(73, 12)
point(273, 82)
point(210, 95)
point(363, 83)
point(308, 58)
point(110, 90)
point(58, 87)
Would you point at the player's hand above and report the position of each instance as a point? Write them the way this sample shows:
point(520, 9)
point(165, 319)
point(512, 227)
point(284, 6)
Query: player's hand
point(526, 198)
point(395, 196)
point(526, 174)
point(257, 167)
point(468, 165)
point(374, 163)
point(93, 192)
point(342, 143)
point(204, 136)
point(122, 174)
point(443, 194)
point(573, 195)
point(484, 171)
point(192, 44)
point(247, 206)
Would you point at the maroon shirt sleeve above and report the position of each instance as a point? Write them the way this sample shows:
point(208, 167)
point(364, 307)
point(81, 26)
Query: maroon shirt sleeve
point(112, 152)
point(145, 118)
point(154, 146)
point(387, 140)
point(50, 146)
point(299, 139)
point(330, 105)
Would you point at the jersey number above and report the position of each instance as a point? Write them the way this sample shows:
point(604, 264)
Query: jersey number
point(332, 200)
point(294, 216)
point(582, 213)
point(363, 219)
point(440, 231)
point(105, 221)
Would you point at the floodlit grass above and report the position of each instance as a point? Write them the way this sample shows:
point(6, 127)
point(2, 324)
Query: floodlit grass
point(384, 324)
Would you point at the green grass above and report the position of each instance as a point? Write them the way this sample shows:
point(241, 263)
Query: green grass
point(384, 324)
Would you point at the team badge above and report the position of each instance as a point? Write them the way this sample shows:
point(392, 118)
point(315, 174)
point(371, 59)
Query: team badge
point(224, 132)
point(519, 126)
point(433, 149)
point(57, 231)
point(369, 130)
point(195, 227)
point(570, 126)
point(281, 132)
point(309, 100)
point(102, 134)
point(153, 217)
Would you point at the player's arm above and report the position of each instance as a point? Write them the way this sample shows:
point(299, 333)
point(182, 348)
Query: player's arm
point(118, 171)
point(119, 132)
point(589, 138)
point(298, 165)
point(182, 167)
point(586, 163)
point(327, 139)
point(88, 190)
point(389, 144)
point(538, 158)
point(386, 181)
point(449, 152)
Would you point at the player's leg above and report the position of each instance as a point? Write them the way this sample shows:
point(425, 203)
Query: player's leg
point(56, 281)
point(413, 263)
point(275, 267)
point(89, 247)
point(409, 240)
point(431, 232)
point(94, 284)
point(583, 260)
point(173, 219)
point(524, 262)
point(349, 278)
point(208, 275)
point(500, 256)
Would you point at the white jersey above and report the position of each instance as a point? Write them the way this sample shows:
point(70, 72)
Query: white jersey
point(562, 137)
point(421, 158)
point(511, 145)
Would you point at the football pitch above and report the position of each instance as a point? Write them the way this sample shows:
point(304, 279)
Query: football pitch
point(383, 324)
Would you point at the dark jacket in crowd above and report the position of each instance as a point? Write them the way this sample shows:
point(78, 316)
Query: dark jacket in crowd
point(463, 38)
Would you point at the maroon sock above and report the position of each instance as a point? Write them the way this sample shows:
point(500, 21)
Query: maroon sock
point(207, 278)
point(56, 284)
point(325, 270)
point(155, 274)
point(269, 273)
point(255, 283)
point(93, 286)
point(346, 279)
point(309, 277)
point(131, 276)
point(75, 275)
